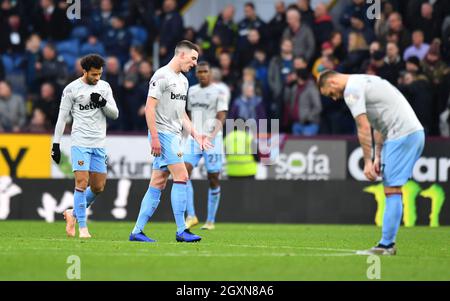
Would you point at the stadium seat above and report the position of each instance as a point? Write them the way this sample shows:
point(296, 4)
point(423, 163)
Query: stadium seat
point(68, 47)
point(87, 48)
point(139, 35)
point(8, 63)
point(70, 61)
point(80, 33)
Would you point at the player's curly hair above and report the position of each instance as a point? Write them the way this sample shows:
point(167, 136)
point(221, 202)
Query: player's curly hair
point(92, 61)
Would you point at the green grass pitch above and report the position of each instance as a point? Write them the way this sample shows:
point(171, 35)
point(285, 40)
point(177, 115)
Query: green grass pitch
point(34, 250)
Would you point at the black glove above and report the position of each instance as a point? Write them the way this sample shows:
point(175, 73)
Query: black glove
point(98, 100)
point(56, 153)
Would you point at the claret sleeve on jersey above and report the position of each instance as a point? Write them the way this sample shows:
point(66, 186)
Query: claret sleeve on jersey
point(157, 86)
point(110, 109)
point(64, 112)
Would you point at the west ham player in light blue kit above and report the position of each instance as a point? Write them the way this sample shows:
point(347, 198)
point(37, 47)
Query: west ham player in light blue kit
point(89, 100)
point(208, 106)
point(166, 117)
point(399, 140)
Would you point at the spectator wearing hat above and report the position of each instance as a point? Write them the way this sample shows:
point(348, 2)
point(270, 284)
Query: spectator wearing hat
point(319, 66)
point(377, 65)
point(418, 47)
point(413, 66)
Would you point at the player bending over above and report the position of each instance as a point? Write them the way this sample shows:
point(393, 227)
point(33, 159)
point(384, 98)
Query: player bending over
point(399, 139)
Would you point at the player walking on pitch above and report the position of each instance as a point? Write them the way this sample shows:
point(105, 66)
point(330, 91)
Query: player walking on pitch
point(399, 140)
point(166, 117)
point(208, 106)
point(89, 100)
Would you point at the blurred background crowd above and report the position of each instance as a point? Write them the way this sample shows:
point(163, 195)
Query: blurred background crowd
point(269, 67)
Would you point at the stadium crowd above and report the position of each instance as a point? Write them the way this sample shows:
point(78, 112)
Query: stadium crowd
point(270, 67)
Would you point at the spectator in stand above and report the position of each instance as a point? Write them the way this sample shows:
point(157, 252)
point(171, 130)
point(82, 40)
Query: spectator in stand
point(358, 7)
point(397, 28)
point(279, 68)
point(339, 48)
point(117, 39)
point(357, 52)
point(322, 63)
point(51, 22)
point(418, 47)
point(358, 26)
point(381, 27)
point(14, 34)
point(229, 74)
point(276, 27)
point(39, 122)
point(50, 67)
point(323, 25)
point(394, 63)
point(248, 106)
point(32, 56)
point(100, 21)
point(2, 71)
point(136, 58)
point(300, 34)
point(218, 33)
point(251, 21)
point(12, 109)
point(302, 105)
point(246, 50)
point(142, 13)
point(427, 24)
point(306, 12)
point(418, 92)
point(171, 31)
point(114, 76)
point(48, 103)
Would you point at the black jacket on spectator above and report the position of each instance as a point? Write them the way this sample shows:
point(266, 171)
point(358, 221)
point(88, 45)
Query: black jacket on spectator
point(226, 31)
point(393, 70)
point(275, 30)
point(322, 28)
point(53, 27)
point(54, 71)
point(245, 25)
point(171, 32)
point(420, 96)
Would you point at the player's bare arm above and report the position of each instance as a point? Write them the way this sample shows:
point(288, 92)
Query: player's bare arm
point(365, 139)
point(202, 140)
point(378, 147)
point(150, 117)
point(218, 123)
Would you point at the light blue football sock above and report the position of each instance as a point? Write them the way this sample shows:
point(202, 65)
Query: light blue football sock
point(90, 198)
point(213, 203)
point(190, 199)
point(79, 207)
point(392, 218)
point(148, 206)
point(179, 200)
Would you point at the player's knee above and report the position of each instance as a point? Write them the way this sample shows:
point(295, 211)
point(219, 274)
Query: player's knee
point(98, 189)
point(81, 184)
point(213, 180)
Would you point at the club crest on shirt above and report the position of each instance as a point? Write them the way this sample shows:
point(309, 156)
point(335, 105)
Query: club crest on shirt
point(80, 162)
point(180, 154)
point(351, 98)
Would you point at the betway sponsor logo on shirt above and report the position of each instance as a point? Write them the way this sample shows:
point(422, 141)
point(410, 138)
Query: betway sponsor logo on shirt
point(89, 106)
point(178, 96)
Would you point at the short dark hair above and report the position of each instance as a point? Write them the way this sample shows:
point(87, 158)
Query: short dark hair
point(250, 4)
point(204, 64)
point(92, 61)
point(186, 44)
point(324, 76)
